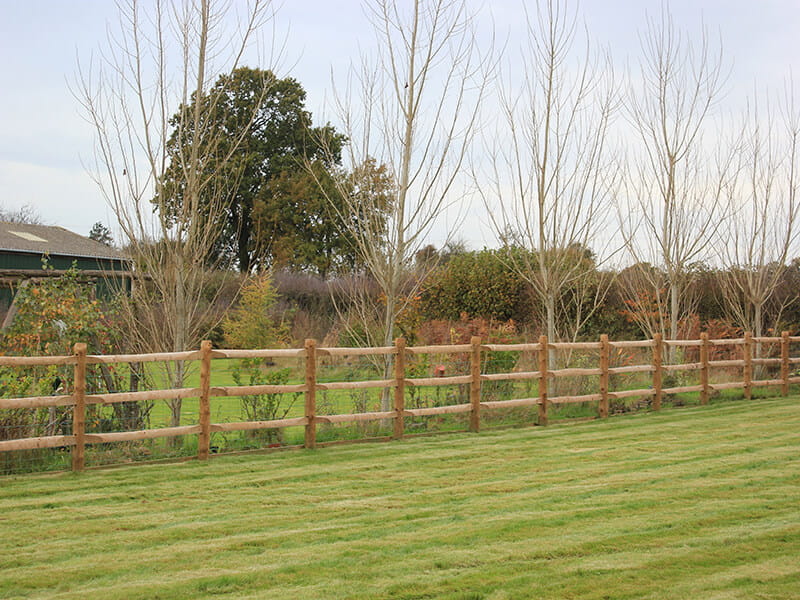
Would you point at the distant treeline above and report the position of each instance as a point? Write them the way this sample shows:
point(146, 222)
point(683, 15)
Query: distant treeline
point(464, 285)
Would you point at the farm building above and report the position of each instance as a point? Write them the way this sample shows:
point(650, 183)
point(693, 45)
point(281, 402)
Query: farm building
point(23, 248)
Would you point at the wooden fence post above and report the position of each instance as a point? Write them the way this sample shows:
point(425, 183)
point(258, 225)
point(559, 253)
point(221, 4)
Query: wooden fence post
point(544, 364)
point(748, 365)
point(399, 387)
point(475, 385)
point(605, 351)
point(204, 438)
point(79, 411)
point(785, 363)
point(705, 392)
point(658, 344)
point(311, 393)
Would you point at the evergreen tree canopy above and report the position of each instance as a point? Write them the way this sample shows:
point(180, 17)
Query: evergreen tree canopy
point(101, 233)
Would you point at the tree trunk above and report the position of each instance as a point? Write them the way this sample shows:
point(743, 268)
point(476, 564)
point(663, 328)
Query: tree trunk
point(388, 340)
point(550, 309)
point(674, 310)
point(758, 331)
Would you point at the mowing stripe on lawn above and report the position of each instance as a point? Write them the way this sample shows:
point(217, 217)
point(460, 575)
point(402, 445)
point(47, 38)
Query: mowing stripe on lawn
point(696, 503)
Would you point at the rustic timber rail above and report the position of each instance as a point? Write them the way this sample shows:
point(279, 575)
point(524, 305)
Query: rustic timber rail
point(79, 399)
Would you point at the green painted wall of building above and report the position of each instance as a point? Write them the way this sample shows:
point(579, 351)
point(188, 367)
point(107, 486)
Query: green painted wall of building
point(105, 287)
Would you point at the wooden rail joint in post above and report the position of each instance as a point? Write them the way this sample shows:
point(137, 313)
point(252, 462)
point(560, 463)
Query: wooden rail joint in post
point(311, 394)
point(704, 380)
point(544, 364)
point(399, 387)
point(605, 351)
point(475, 385)
point(204, 437)
point(79, 410)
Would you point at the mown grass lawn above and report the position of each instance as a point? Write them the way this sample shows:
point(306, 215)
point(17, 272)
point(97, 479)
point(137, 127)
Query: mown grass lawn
point(692, 503)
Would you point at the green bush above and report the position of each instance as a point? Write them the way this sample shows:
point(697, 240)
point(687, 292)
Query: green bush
point(479, 284)
point(264, 407)
point(252, 323)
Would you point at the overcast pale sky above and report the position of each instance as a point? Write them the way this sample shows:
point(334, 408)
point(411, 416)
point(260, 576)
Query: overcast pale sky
point(44, 141)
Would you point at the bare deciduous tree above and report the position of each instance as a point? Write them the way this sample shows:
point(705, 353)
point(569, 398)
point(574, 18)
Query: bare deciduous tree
point(764, 225)
point(553, 172)
point(26, 214)
point(414, 108)
point(137, 98)
point(678, 197)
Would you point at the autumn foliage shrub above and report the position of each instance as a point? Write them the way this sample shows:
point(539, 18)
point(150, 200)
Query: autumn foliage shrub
point(55, 313)
point(461, 330)
point(52, 315)
point(435, 332)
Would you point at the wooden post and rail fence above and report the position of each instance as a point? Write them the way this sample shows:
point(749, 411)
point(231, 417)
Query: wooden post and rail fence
point(475, 350)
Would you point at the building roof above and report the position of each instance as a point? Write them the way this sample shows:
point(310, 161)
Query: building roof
point(46, 239)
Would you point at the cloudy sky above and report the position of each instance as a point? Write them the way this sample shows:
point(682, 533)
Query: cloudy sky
point(45, 143)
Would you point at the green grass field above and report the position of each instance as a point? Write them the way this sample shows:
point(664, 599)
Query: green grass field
point(694, 503)
point(226, 409)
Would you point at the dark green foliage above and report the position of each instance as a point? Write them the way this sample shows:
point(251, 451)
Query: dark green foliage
point(707, 291)
point(611, 319)
point(297, 220)
point(101, 233)
point(480, 284)
point(257, 136)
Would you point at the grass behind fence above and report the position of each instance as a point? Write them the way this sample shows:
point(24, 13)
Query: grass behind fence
point(698, 503)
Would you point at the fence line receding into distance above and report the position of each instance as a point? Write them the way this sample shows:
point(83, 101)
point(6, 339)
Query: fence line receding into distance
point(79, 399)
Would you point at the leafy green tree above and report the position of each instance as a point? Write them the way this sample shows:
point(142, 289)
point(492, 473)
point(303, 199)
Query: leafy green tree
point(294, 222)
point(302, 215)
point(262, 138)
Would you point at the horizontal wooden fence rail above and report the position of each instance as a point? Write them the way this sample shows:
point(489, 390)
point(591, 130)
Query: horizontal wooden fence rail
point(475, 352)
